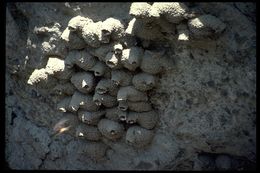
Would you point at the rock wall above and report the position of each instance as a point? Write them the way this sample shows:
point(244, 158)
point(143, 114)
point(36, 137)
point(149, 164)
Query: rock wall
point(206, 101)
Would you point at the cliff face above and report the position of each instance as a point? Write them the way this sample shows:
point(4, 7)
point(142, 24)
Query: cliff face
point(205, 100)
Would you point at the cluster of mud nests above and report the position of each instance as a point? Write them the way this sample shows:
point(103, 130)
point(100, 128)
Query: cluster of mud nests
point(103, 76)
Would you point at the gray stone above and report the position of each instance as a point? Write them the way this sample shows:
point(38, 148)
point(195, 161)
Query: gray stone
point(223, 162)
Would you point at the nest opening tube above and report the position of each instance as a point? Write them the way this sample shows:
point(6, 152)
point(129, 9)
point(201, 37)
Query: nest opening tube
point(84, 84)
point(80, 134)
point(105, 36)
point(62, 109)
point(105, 32)
point(123, 108)
point(115, 82)
point(122, 118)
point(85, 120)
point(111, 63)
point(111, 60)
point(150, 84)
point(97, 102)
point(118, 52)
point(101, 90)
point(97, 73)
point(123, 105)
point(72, 28)
point(112, 132)
point(130, 121)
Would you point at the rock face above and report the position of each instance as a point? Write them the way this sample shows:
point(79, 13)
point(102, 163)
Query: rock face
point(85, 90)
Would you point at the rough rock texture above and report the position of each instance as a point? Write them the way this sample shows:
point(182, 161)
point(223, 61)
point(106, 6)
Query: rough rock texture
point(206, 103)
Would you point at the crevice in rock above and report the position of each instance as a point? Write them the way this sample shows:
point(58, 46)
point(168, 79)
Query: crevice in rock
point(45, 157)
point(20, 19)
point(252, 19)
point(13, 117)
